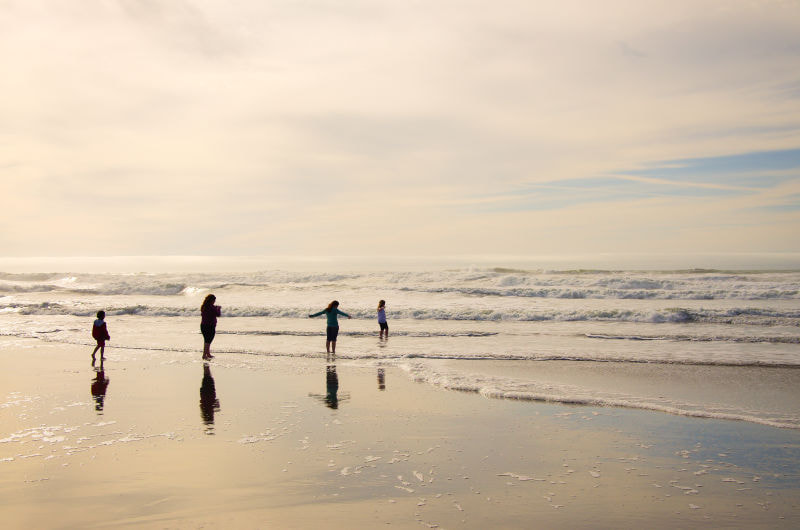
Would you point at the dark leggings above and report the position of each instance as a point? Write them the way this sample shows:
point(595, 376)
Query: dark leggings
point(332, 332)
point(208, 331)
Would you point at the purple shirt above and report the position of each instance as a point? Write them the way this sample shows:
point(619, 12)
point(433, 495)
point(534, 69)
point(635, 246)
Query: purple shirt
point(209, 314)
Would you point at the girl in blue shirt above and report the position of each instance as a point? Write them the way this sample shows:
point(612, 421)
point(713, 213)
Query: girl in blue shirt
point(332, 331)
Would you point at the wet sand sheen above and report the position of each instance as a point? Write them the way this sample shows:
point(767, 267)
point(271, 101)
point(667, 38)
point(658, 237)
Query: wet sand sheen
point(268, 448)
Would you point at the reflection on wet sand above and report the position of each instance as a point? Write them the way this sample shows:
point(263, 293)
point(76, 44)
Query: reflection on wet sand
point(331, 398)
point(332, 387)
point(99, 386)
point(381, 379)
point(209, 404)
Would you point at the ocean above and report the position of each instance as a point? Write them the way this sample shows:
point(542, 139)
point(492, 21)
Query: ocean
point(708, 343)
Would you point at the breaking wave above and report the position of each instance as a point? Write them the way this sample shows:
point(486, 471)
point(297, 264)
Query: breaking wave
point(744, 315)
point(667, 285)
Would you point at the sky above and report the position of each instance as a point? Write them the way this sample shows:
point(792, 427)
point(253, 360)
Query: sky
point(398, 128)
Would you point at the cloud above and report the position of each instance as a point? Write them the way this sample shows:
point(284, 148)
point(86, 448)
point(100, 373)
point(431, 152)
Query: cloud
point(322, 126)
point(742, 171)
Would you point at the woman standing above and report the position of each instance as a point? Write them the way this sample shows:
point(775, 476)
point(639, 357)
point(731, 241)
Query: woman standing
point(208, 325)
point(332, 331)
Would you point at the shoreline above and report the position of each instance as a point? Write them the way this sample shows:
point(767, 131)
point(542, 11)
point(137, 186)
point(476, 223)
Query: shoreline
point(410, 454)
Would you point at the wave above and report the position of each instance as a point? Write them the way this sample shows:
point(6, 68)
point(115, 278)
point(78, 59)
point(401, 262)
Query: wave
point(37, 288)
point(492, 386)
point(63, 336)
point(507, 388)
point(415, 334)
point(74, 286)
point(750, 339)
point(635, 291)
point(28, 277)
point(668, 285)
point(739, 316)
point(747, 339)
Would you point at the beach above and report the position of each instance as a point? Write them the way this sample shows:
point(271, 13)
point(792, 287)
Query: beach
point(351, 264)
point(703, 343)
point(286, 447)
point(502, 398)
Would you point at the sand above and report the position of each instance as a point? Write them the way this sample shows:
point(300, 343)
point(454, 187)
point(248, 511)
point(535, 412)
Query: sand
point(273, 453)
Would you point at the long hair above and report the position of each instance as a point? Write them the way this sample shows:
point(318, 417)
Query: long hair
point(208, 302)
point(381, 304)
point(333, 305)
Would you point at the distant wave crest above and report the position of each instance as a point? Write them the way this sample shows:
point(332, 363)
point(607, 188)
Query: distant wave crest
point(623, 285)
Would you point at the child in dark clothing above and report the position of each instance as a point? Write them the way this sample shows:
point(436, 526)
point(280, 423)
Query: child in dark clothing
point(100, 334)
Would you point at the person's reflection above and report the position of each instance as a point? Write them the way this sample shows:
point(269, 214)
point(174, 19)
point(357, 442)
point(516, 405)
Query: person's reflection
point(99, 386)
point(332, 387)
point(332, 397)
point(381, 379)
point(209, 404)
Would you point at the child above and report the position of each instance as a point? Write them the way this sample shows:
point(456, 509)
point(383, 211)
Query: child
point(332, 331)
point(382, 319)
point(100, 334)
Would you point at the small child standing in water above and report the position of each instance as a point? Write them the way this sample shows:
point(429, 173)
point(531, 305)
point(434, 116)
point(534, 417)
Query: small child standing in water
point(382, 319)
point(100, 334)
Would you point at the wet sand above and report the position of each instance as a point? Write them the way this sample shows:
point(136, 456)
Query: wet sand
point(160, 446)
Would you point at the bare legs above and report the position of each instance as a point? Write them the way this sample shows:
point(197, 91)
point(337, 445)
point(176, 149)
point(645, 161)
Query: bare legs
point(102, 349)
point(330, 346)
point(94, 361)
point(208, 331)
